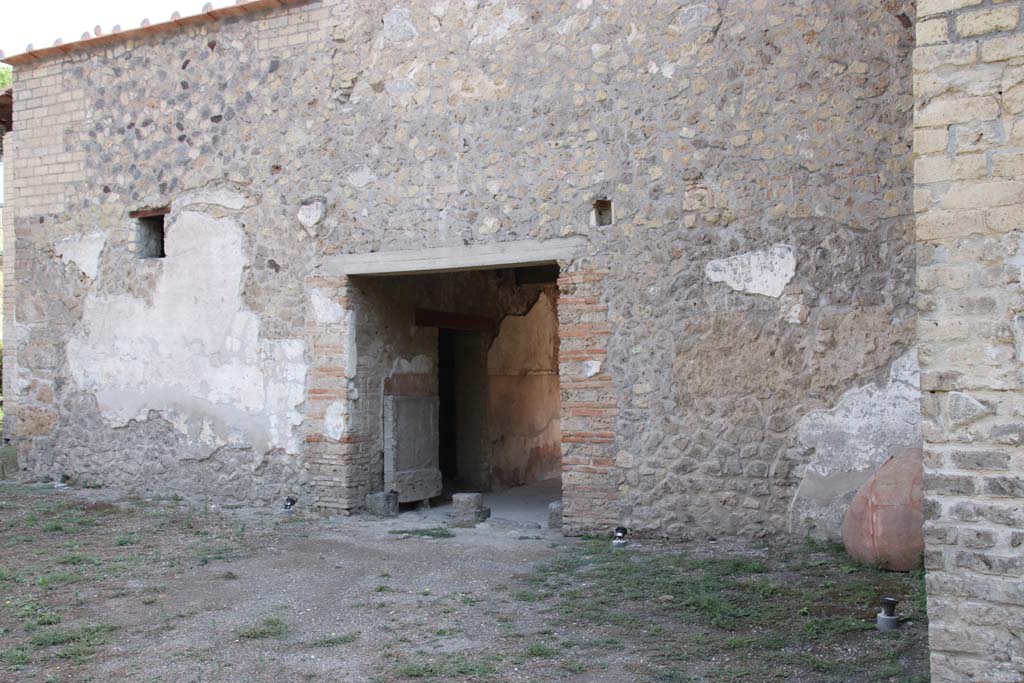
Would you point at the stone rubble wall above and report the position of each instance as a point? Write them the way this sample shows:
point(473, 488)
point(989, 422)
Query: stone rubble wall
point(969, 198)
point(10, 363)
point(757, 275)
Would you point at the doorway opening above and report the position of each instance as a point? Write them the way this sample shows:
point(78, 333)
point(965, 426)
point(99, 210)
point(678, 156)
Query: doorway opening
point(463, 411)
point(458, 383)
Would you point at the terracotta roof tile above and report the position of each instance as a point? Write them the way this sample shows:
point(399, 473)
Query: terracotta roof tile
point(98, 39)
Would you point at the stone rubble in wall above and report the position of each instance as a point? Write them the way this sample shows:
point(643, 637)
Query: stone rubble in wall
point(432, 124)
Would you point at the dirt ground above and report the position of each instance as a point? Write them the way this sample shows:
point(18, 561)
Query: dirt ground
point(99, 588)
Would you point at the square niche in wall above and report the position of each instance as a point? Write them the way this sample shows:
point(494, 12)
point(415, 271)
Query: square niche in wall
point(602, 213)
point(149, 232)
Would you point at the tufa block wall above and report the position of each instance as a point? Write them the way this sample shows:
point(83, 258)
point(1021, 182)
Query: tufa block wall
point(969, 198)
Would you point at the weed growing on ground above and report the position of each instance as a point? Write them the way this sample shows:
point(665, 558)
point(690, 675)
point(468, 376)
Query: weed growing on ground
point(271, 627)
point(436, 532)
point(335, 639)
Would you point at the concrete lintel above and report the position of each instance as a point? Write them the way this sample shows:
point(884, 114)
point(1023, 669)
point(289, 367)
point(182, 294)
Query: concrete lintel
point(447, 259)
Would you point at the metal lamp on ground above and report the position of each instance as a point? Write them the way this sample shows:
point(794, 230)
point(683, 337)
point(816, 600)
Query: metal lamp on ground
point(887, 619)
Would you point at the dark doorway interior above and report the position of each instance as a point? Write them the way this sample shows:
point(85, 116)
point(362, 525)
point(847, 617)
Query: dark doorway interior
point(462, 440)
point(448, 430)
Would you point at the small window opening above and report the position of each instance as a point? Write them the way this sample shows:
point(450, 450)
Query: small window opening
point(149, 235)
point(603, 213)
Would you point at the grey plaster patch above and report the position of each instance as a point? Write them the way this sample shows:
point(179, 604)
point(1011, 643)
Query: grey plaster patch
point(764, 272)
point(850, 441)
point(398, 26)
point(82, 250)
point(1018, 336)
point(964, 409)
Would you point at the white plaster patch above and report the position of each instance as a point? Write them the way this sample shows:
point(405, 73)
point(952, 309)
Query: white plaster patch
point(351, 350)
point(218, 196)
point(572, 25)
point(757, 272)
point(475, 85)
point(489, 225)
point(862, 430)
point(795, 311)
point(417, 365)
point(335, 420)
point(361, 177)
point(398, 26)
point(311, 213)
point(195, 353)
point(82, 250)
point(591, 368)
point(850, 441)
point(326, 310)
point(440, 8)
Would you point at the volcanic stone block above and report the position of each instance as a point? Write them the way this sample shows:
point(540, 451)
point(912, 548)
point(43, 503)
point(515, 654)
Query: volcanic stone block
point(555, 515)
point(468, 509)
point(383, 504)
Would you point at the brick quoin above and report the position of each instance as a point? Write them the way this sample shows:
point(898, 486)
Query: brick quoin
point(589, 496)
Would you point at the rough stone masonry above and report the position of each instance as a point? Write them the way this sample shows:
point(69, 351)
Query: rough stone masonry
point(757, 209)
point(734, 344)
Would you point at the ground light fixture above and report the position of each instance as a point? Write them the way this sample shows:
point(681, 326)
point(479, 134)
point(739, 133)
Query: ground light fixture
point(887, 619)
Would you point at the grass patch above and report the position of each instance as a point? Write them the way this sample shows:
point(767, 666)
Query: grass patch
point(8, 461)
point(77, 653)
point(48, 619)
point(419, 670)
point(125, 539)
point(335, 639)
point(80, 642)
point(526, 596)
point(435, 532)
point(540, 650)
point(16, 657)
point(803, 613)
point(271, 627)
point(449, 667)
point(48, 581)
point(10, 576)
